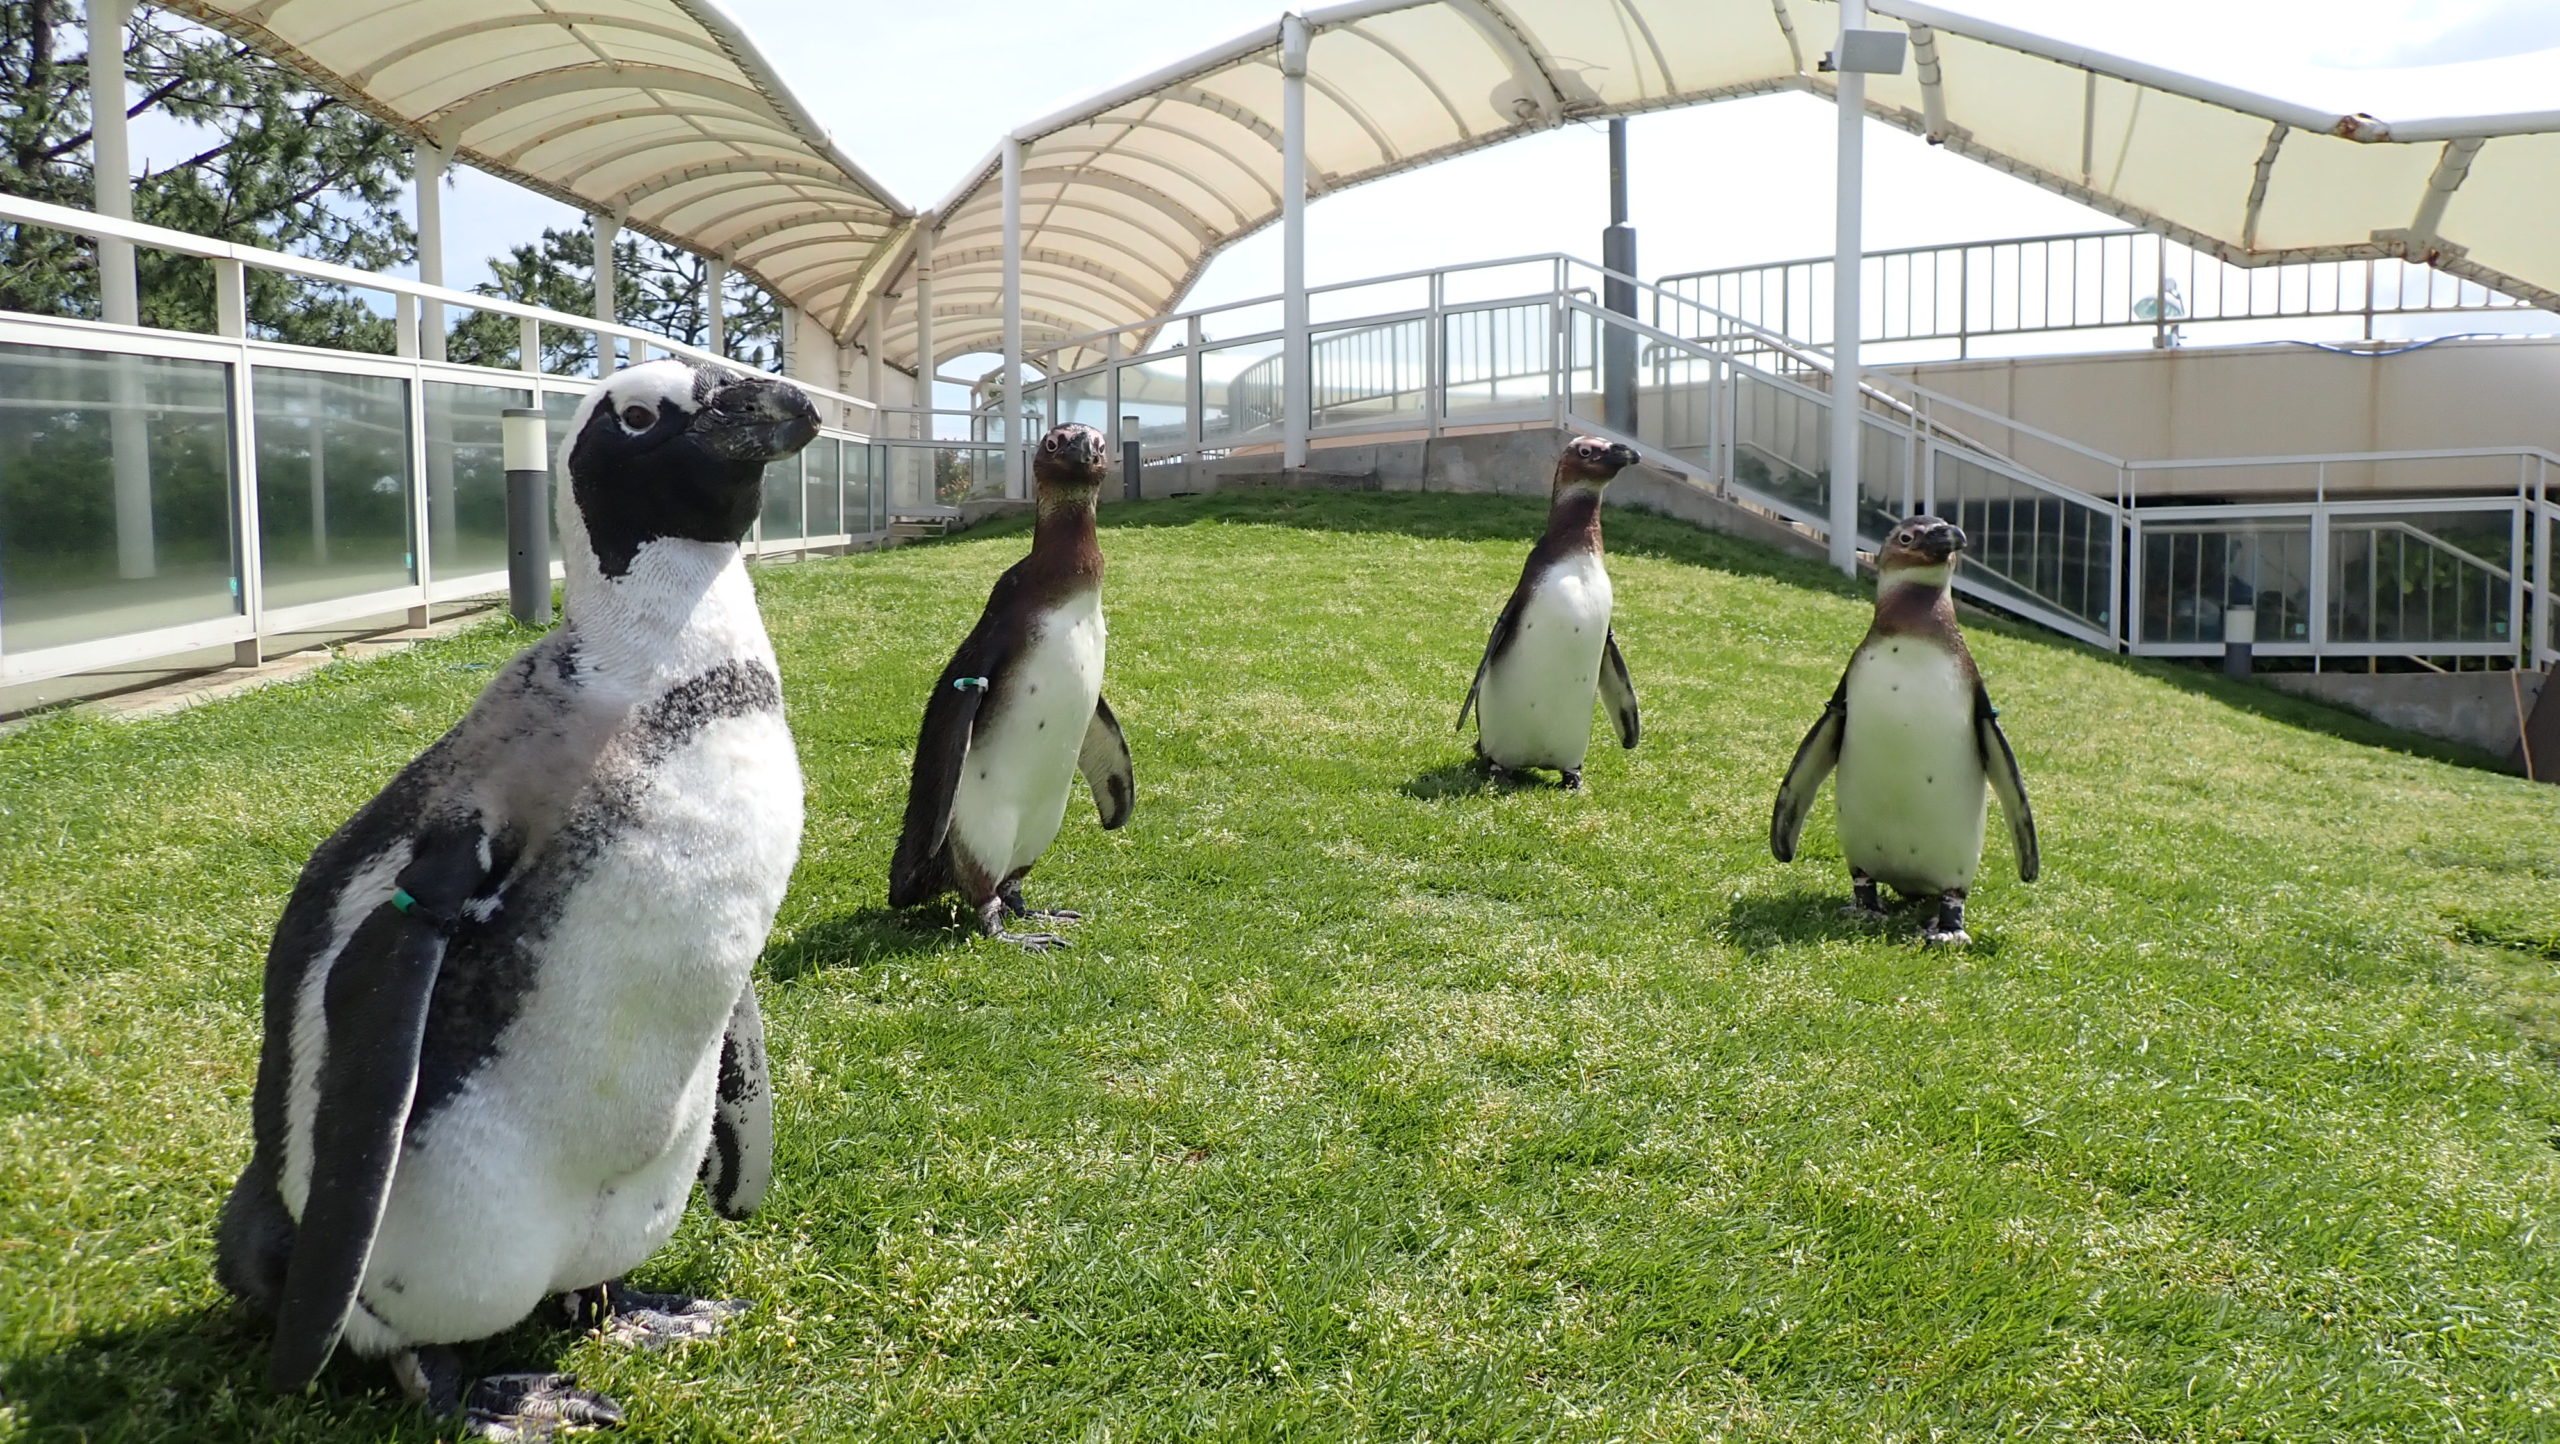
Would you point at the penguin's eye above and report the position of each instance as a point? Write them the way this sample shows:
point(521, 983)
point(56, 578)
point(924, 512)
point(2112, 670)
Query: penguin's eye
point(639, 418)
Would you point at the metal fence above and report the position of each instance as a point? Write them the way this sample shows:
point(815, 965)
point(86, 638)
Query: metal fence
point(165, 493)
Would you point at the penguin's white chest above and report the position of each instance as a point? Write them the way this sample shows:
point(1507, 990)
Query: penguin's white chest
point(1910, 786)
point(1535, 705)
point(1022, 759)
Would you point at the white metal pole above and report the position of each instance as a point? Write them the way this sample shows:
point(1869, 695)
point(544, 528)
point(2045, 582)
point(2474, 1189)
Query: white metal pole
point(608, 230)
point(875, 388)
point(1848, 249)
point(1294, 390)
point(119, 294)
point(925, 361)
point(432, 163)
point(1012, 436)
point(715, 303)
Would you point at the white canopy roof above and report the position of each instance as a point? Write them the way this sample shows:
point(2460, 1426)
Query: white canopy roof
point(1127, 197)
point(658, 111)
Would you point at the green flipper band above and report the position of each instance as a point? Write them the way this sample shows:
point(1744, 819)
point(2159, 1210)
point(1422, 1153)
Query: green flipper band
point(963, 684)
point(400, 899)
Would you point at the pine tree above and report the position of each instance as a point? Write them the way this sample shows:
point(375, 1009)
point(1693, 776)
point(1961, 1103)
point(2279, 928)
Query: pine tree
point(657, 287)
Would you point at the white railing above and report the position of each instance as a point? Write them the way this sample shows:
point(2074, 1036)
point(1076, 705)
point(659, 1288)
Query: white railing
point(2135, 283)
point(166, 493)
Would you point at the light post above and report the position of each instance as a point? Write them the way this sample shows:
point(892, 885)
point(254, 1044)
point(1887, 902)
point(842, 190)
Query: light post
point(525, 446)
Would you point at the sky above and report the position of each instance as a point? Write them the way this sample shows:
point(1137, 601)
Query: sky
point(917, 94)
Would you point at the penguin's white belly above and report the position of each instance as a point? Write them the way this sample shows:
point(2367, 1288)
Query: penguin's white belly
point(1022, 760)
point(1910, 786)
point(1534, 708)
point(567, 1158)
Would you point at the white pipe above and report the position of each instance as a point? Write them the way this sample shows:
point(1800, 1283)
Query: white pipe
point(608, 229)
point(1293, 241)
point(432, 163)
point(715, 303)
point(877, 344)
point(119, 291)
point(1846, 320)
point(925, 359)
point(1012, 437)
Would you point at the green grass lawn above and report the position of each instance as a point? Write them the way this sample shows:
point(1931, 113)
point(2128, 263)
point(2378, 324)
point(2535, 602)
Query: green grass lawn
point(1375, 1103)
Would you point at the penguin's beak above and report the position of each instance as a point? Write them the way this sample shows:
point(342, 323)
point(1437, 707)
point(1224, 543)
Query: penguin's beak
point(756, 419)
point(1941, 541)
point(1620, 456)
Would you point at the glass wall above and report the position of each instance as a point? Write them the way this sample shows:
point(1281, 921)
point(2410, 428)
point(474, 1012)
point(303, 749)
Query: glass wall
point(467, 478)
point(1497, 359)
point(333, 484)
point(1782, 443)
point(2028, 542)
point(2191, 572)
point(1370, 373)
point(821, 481)
point(2420, 578)
point(782, 498)
point(115, 495)
point(1239, 391)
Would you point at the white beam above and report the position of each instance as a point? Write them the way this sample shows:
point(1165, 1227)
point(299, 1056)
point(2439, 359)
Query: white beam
point(432, 163)
point(715, 303)
point(1848, 249)
point(1012, 437)
point(111, 169)
point(1293, 241)
point(925, 358)
point(608, 230)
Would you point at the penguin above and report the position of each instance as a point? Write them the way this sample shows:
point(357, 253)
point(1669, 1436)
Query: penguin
point(1552, 647)
point(508, 1014)
point(1915, 738)
point(1017, 713)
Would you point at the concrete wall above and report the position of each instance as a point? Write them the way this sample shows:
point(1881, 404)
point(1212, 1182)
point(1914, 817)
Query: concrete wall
point(2267, 401)
point(1505, 463)
point(2477, 709)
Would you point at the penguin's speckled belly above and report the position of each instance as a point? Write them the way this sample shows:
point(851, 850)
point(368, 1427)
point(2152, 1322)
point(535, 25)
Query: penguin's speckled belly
point(568, 1157)
point(1022, 761)
point(1535, 707)
point(1910, 786)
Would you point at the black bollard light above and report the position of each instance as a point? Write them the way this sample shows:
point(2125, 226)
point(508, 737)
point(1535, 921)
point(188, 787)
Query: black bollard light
point(1132, 457)
point(525, 444)
point(2239, 639)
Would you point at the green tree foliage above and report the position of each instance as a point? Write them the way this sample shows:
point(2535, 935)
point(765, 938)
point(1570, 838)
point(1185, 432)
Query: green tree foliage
point(658, 287)
point(283, 166)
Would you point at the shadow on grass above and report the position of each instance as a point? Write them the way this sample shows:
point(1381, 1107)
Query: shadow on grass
point(859, 937)
point(196, 1376)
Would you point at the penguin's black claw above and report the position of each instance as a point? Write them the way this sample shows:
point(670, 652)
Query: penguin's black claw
point(1031, 942)
point(1054, 915)
point(651, 1321)
point(1572, 779)
point(515, 1407)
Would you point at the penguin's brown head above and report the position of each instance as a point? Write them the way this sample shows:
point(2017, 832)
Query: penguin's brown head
point(1921, 548)
point(1069, 462)
point(1591, 461)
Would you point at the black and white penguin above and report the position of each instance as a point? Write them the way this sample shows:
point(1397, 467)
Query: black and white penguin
point(1552, 648)
point(1915, 737)
point(1017, 713)
point(508, 1015)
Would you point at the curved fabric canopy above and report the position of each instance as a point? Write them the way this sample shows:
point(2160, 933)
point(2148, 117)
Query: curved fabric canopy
point(657, 111)
point(1127, 197)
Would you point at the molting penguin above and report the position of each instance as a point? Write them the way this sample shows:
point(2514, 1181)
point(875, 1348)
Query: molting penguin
point(508, 1015)
point(1017, 713)
point(1552, 648)
point(1915, 737)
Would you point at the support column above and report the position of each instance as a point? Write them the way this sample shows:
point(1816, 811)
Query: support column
point(1294, 389)
point(1847, 258)
point(875, 387)
point(715, 303)
point(1618, 254)
point(1016, 481)
point(119, 294)
point(608, 230)
point(432, 164)
point(925, 363)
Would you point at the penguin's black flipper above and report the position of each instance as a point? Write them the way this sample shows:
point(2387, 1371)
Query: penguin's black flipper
point(2001, 766)
point(740, 1164)
point(1619, 690)
point(1504, 627)
point(1815, 757)
point(1104, 761)
point(916, 871)
point(375, 1004)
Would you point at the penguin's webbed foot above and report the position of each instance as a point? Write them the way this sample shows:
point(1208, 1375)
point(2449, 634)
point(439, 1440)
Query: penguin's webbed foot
point(991, 916)
point(1015, 907)
point(650, 1321)
point(1938, 937)
point(516, 1407)
point(1572, 779)
point(1030, 942)
point(1866, 904)
point(1947, 929)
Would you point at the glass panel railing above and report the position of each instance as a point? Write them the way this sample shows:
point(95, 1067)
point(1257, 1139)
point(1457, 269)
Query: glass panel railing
point(2026, 542)
point(115, 495)
point(780, 520)
point(822, 487)
point(1086, 398)
point(467, 477)
point(334, 487)
point(2423, 578)
point(1782, 444)
point(1239, 392)
point(1500, 358)
point(1158, 393)
point(1370, 374)
point(2192, 571)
